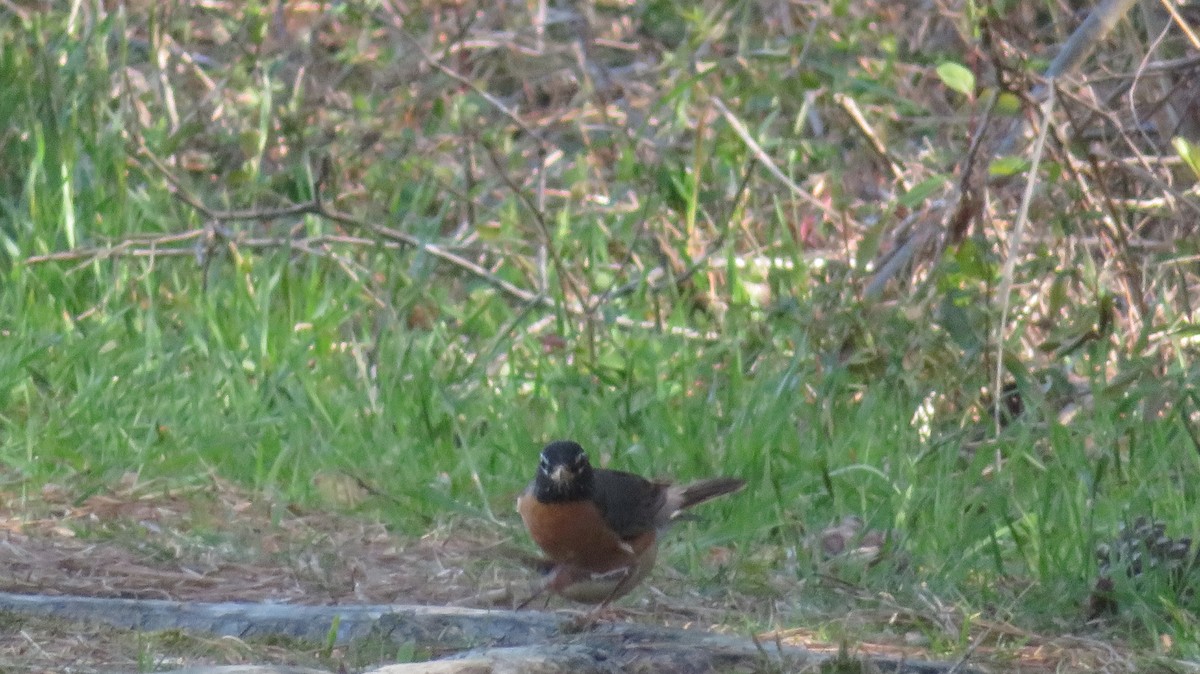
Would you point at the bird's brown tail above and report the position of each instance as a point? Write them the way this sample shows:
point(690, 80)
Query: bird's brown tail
point(703, 490)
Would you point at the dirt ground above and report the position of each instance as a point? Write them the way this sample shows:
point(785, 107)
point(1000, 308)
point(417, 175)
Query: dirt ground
point(213, 542)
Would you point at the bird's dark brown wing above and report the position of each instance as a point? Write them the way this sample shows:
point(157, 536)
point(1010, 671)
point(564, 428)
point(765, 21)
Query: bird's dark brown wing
point(631, 504)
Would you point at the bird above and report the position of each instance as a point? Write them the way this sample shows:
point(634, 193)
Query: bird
point(599, 528)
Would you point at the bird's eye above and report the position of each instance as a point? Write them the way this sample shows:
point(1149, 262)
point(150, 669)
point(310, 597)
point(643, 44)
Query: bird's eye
point(581, 461)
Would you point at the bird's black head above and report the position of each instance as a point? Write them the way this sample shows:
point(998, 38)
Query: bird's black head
point(564, 473)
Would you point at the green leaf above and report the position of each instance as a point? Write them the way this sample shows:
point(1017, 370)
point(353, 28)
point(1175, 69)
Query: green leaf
point(972, 262)
point(1007, 166)
point(1059, 295)
point(957, 77)
point(1188, 152)
point(1007, 104)
point(921, 191)
point(952, 315)
point(1186, 330)
point(868, 246)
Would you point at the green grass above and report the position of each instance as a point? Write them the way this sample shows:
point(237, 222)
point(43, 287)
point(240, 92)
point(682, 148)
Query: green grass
point(269, 367)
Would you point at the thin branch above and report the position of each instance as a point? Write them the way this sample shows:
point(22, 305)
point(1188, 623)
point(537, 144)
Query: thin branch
point(466, 82)
point(1099, 23)
point(1014, 244)
point(765, 159)
point(145, 246)
point(850, 107)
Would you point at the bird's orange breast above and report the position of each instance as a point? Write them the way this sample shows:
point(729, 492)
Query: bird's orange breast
point(575, 533)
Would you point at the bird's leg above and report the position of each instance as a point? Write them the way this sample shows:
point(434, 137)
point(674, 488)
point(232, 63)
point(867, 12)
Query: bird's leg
point(624, 575)
point(540, 591)
point(558, 576)
point(543, 566)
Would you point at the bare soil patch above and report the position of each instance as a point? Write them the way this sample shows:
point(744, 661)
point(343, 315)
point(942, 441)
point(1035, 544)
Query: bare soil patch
point(213, 542)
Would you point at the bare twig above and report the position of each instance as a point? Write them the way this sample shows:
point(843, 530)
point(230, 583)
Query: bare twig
point(897, 260)
point(765, 159)
point(850, 106)
point(1181, 23)
point(466, 82)
point(168, 246)
point(1014, 243)
point(1095, 27)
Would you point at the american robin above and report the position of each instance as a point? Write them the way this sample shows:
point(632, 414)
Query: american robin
point(599, 528)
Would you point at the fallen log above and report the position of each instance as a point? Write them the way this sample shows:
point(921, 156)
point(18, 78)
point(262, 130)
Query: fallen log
point(464, 639)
